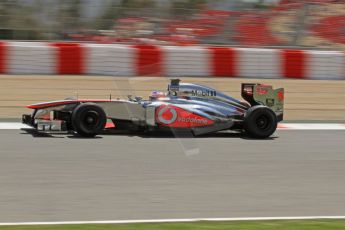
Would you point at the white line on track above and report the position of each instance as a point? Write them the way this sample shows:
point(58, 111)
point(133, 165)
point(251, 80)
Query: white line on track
point(281, 126)
point(12, 125)
point(311, 126)
point(173, 220)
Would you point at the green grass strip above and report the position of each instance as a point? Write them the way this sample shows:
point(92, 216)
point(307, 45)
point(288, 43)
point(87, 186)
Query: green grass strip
point(234, 225)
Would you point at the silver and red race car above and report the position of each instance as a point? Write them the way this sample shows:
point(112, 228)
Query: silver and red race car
point(184, 107)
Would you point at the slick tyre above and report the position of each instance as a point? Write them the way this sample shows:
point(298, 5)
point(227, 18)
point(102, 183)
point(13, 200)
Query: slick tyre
point(88, 119)
point(260, 122)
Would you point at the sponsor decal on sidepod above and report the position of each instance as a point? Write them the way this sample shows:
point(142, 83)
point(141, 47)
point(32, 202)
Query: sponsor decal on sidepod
point(175, 117)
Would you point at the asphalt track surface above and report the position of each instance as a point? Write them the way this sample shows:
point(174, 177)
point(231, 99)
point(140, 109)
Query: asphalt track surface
point(113, 177)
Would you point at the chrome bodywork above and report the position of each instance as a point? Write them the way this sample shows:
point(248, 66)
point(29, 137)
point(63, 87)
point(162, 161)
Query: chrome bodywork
point(225, 111)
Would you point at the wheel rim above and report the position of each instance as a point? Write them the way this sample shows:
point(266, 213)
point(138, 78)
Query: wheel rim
point(263, 122)
point(91, 119)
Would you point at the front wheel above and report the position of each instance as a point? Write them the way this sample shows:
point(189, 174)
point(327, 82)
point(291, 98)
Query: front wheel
point(88, 119)
point(260, 122)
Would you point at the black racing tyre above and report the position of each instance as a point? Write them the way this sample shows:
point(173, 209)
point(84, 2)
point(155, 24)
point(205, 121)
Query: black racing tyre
point(88, 119)
point(260, 122)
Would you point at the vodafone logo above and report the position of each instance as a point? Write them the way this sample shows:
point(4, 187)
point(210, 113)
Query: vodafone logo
point(167, 115)
point(175, 117)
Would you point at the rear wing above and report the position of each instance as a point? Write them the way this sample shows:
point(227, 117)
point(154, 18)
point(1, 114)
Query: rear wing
point(258, 94)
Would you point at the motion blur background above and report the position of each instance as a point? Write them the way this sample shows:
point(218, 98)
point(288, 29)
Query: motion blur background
point(264, 23)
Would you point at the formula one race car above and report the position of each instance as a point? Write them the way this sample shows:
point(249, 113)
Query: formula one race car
point(194, 108)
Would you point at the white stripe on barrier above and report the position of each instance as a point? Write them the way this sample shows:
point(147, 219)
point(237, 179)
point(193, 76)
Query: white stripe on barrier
point(113, 60)
point(281, 126)
point(325, 65)
point(186, 61)
point(38, 59)
point(173, 220)
point(259, 63)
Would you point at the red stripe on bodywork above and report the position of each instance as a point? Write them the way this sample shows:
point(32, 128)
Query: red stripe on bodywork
point(224, 62)
point(70, 58)
point(109, 125)
point(294, 63)
point(3, 57)
point(148, 60)
point(58, 103)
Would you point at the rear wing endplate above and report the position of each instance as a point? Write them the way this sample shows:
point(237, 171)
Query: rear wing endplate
point(258, 94)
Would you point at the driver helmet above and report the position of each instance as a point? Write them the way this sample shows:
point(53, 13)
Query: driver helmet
point(157, 94)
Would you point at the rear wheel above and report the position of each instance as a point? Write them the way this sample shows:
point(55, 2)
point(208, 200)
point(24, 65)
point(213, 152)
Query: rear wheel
point(260, 122)
point(88, 119)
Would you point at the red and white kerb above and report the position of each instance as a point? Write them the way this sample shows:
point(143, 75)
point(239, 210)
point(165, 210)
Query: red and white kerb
point(151, 60)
